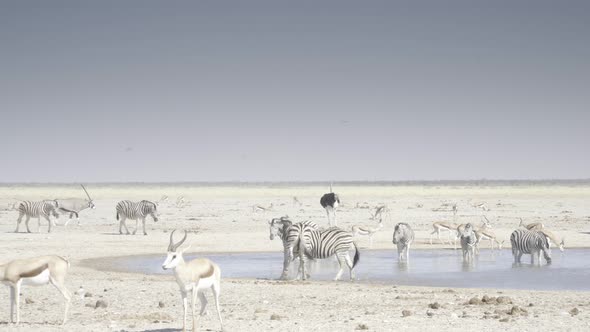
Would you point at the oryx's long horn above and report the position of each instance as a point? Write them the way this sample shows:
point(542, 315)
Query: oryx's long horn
point(86, 192)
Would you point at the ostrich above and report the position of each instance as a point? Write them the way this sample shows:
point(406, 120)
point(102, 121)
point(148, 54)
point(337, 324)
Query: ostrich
point(330, 202)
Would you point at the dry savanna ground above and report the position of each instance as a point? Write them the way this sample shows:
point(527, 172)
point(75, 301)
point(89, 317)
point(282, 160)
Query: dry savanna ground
point(221, 219)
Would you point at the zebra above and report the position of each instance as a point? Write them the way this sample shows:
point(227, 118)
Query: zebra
point(280, 227)
point(135, 211)
point(37, 210)
point(530, 242)
point(319, 244)
point(468, 243)
point(403, 236)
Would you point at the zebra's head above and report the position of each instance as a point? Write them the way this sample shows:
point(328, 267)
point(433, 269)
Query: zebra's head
point(152, 209)
point(276, 226)
point(174, 255)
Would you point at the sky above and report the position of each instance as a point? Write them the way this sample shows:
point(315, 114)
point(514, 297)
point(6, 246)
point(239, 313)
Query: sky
point(158, 91)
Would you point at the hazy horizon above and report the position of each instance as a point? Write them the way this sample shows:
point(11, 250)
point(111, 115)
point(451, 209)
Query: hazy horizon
point(276, 91)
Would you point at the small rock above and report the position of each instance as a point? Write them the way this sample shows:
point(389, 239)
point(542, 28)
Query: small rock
point(88, 295)
point(574, 311)
point(434, 305)
point(406, 313)
point(89, 305)
point(100, 304)
point(429, 313)
point(362, 327)
point(531, 305)
point(475, 301)
point(161, 304)
point(275, 317)
point(504, 320)
point(29, 301)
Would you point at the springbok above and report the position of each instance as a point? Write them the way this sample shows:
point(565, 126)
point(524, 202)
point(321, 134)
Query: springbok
point(194, 276)
point(35, 271)
point(536, 226)
point(551, 238)
point(439, 226)
point(367, 230)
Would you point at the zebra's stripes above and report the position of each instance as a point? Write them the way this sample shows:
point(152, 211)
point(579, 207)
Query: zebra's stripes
point(468, 243)
point(37, 210)
point(280, 227)
point(319, 244)
point(403, 236)
point(530, 242)
point(135, 211)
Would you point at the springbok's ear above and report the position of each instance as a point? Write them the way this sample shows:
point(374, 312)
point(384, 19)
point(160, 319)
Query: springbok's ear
point(185, 249)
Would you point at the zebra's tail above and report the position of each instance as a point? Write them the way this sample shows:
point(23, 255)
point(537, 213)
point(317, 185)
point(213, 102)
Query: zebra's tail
point(357, 255)
point(117, 215)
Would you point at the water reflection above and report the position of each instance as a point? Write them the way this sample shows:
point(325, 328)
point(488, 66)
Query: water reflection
point(445, 268)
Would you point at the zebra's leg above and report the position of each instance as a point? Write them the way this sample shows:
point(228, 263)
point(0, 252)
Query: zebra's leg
point(143, 222)
point(18, 221)
point(349, 264)
point(408, 251)
point(287, 257)
point(27, 223)
point(49, 222)
point(39, 224)
point(136, 221)
point(341, 263)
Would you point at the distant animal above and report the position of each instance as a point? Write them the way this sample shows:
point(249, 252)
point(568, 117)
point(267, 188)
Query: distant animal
point(403, 236)
point(259, 208)
point(37, 210)
point(536, 226)
point(135, 211)
point(74, 206)
point(379, 210)
point(530, 242)
point(439, 226)
point(468, 243)
point(193, 277)
point(367, 230)
point(486, 226)
point(35, 271)
point(281, 228)
point(551, 238)
point(330, 203)
point(296, 201)
point(320, 244)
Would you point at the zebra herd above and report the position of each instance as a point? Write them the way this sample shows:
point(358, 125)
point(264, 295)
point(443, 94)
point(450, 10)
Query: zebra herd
point(124, 210)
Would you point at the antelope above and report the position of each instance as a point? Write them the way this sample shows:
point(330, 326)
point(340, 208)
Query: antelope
point(194, 276)
point(74, 206)
point(367, 230)
point(439, 226)
point(551, 238)
point(258, 208)
point(483, 233)
point(35, 271)
point(536, 226)
point(379, 210)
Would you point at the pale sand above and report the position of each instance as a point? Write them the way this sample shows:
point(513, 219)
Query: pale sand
point(224, 222)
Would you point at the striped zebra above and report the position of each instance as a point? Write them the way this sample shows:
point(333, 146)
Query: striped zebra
point(320, 244)
point(530, 242)
point(280, 227)
point(37, 210)
point(135, 211)
point(468, 243)
point(403, 236)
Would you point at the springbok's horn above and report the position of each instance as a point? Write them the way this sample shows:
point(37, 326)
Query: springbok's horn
point(172, 246)
point(86, 192)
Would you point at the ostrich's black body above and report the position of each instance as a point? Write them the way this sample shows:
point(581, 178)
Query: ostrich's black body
point(330, 200)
